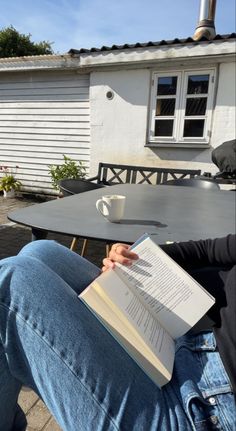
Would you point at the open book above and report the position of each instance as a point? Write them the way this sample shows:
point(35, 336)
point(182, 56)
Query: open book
point(147, 306)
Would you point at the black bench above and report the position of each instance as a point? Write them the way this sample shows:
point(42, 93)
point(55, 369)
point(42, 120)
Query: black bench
point(110, 173)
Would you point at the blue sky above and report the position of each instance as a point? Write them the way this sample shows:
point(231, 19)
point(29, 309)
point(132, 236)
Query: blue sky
point(88, 23)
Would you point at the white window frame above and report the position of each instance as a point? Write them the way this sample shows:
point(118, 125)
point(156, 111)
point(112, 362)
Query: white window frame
point(177, 138)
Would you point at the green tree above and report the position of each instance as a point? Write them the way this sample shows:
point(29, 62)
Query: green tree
point(14, 44)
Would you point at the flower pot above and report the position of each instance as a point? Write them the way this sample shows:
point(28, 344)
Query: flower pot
point(10, 194)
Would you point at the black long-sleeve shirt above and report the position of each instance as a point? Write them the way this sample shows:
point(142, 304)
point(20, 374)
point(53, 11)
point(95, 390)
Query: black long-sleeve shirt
point(213, 264)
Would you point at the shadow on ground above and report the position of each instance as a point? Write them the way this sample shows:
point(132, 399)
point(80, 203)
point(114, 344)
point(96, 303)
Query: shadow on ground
point(14, 237)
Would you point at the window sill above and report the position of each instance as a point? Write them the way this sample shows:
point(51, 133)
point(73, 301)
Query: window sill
point(176, 145)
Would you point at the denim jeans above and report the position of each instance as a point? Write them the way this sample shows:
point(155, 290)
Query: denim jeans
point(50, 342)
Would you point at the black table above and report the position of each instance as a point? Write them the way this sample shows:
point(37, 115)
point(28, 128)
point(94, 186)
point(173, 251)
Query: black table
point(168, 213)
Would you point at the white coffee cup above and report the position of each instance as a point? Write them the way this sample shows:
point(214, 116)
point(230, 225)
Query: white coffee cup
point(111, 207)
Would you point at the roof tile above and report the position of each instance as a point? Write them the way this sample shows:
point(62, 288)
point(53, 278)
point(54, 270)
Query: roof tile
point(175, 41)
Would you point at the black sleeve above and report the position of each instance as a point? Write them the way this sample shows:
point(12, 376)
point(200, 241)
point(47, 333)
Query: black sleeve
point(209, 252)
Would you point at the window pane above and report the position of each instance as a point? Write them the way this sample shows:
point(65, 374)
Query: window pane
point(193, 128)
point(166, 85)
point(198, 84)
point(165, 107)
point(164, 127)
point(196, 106)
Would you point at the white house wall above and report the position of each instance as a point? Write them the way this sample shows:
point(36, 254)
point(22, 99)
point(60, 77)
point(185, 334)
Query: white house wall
point(119, 126)
point(43, 115)
point(224, 116)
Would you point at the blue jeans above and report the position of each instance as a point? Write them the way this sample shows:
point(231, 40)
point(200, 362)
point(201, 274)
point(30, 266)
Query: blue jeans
point(52, 343)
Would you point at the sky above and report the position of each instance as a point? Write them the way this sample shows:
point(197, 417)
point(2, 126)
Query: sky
point(94, 23)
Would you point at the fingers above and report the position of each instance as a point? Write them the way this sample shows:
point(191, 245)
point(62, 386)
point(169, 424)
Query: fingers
point(107, 264)
point(122, 253)
point(119, 253)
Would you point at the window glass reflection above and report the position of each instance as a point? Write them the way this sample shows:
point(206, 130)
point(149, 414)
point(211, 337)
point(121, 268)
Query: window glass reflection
point(165, 107)
point(166, 85)
point(164, 127)
point(193, 128)
point(196, 106)
point(198, 84)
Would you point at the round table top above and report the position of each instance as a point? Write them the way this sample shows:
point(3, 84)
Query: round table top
point(168, 213)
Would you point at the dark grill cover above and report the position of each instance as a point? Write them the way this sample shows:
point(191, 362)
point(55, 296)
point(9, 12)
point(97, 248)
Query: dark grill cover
point(224, 157)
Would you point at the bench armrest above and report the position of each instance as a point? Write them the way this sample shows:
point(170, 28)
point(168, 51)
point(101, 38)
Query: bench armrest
point(92, 178)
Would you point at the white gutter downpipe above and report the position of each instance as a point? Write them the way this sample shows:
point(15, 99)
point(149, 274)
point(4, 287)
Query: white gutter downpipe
point(206, 23)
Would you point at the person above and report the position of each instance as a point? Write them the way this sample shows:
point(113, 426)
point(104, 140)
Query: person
point(52, 343)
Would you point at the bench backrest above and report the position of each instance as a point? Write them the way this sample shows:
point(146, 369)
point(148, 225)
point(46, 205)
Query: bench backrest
point(109, 173)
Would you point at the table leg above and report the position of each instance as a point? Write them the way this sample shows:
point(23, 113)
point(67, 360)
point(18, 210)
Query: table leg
point(38, 234)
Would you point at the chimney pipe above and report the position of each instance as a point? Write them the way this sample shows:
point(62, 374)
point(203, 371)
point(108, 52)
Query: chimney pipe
point(206, 23)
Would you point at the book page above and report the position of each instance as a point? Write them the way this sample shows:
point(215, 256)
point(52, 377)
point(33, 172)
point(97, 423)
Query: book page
point(170, 293)
point(131, 341)
point(128, 305)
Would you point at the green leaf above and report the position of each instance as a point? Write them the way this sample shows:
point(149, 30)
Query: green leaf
point(68, 169)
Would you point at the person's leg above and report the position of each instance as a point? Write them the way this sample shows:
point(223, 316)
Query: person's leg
point(76, 271)
point(52, 343)
point(11, 415)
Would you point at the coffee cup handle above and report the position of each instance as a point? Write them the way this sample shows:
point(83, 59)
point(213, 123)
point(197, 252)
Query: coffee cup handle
point(99, 206)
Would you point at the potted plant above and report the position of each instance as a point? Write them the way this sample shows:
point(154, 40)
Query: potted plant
point(8, 183)
point(68, 169)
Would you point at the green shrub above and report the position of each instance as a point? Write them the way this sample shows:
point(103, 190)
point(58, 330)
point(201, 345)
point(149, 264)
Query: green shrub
point(8, 182)
point(69, 169)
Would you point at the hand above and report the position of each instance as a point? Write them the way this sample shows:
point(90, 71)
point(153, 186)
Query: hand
point(119, 253)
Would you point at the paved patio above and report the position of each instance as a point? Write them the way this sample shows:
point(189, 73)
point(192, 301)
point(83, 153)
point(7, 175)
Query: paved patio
point(12, 238)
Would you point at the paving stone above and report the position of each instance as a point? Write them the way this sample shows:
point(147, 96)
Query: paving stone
point(38, 416)
point(27, 399)
point(52, 426)
point(21, 201)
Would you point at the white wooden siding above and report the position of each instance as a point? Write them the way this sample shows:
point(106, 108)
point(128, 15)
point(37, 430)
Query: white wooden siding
point(43, 115)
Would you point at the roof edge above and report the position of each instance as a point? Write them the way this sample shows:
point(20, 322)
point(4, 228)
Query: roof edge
point(36, 57)
point(176, 41)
